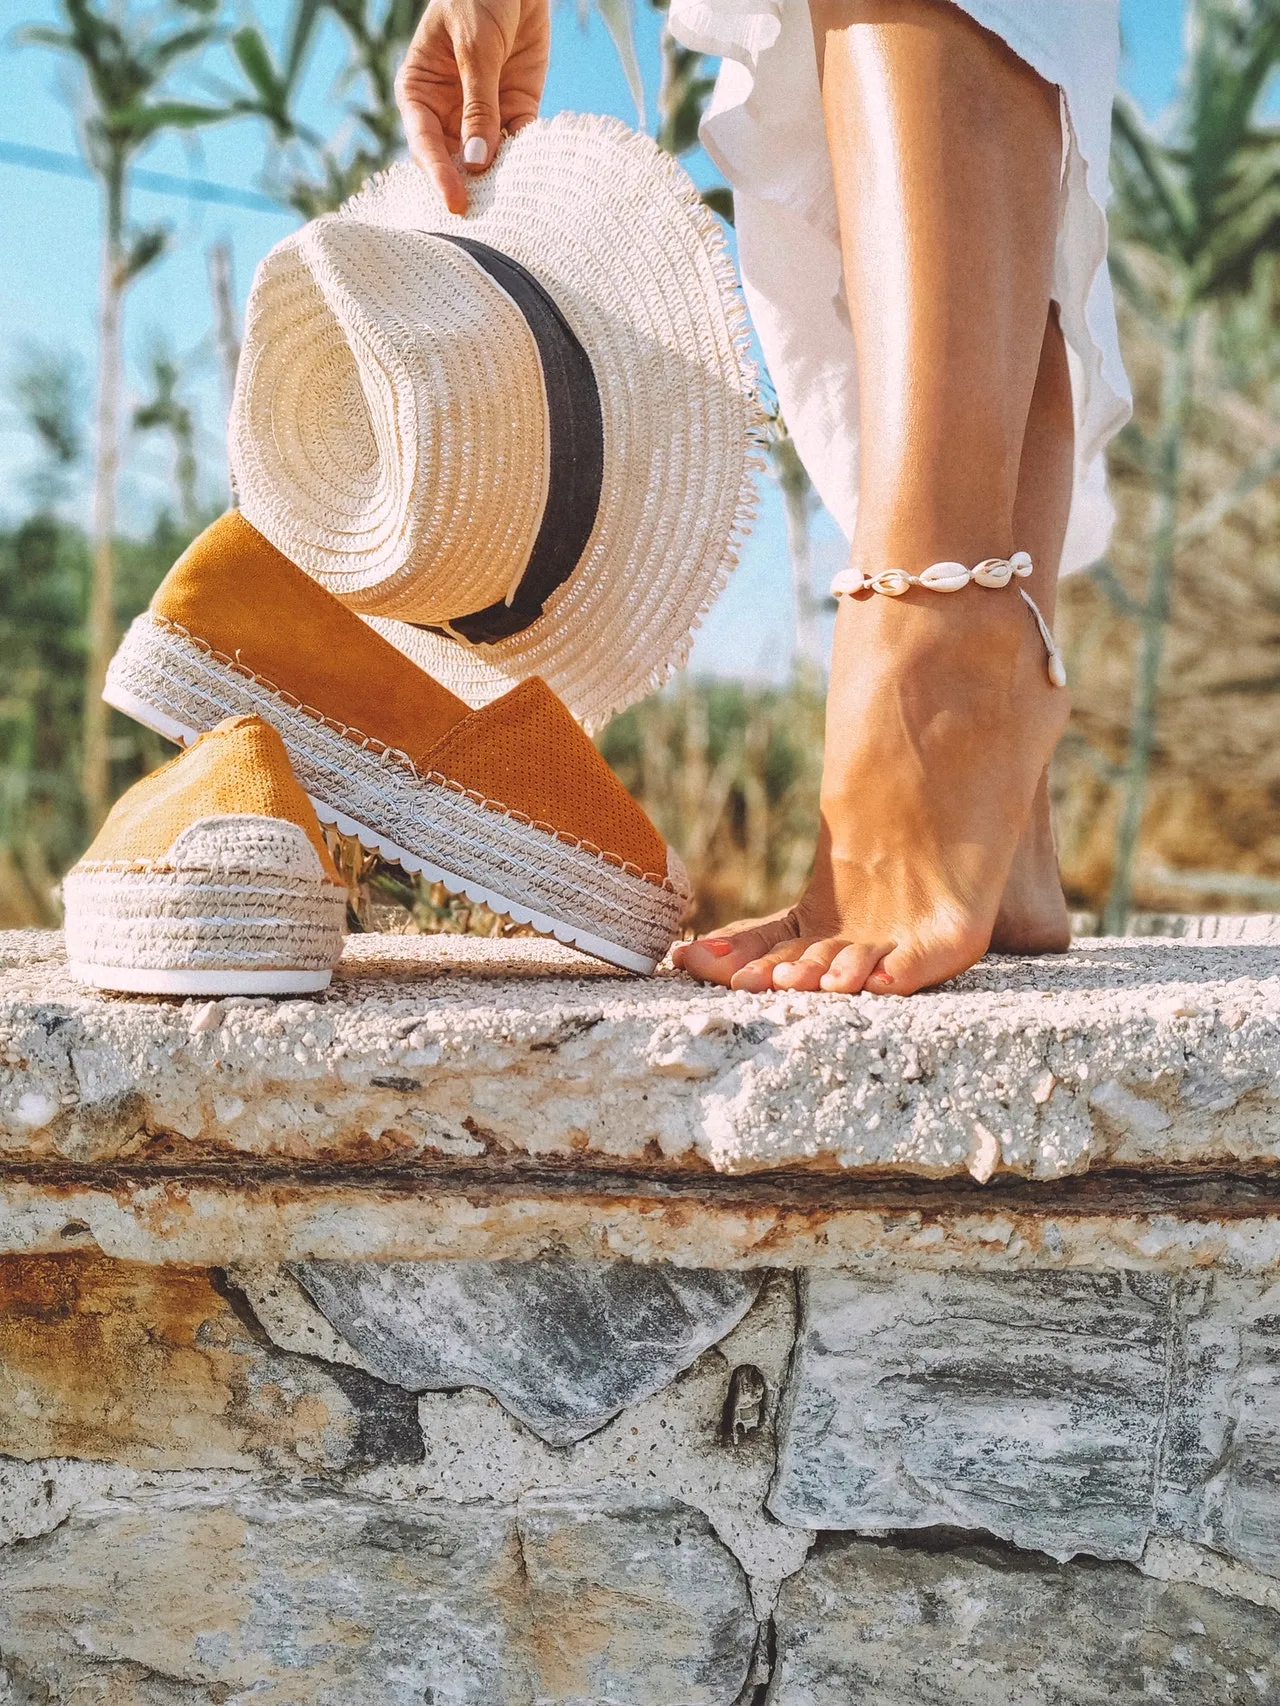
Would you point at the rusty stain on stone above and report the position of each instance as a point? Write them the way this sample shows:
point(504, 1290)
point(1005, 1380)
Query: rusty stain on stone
point(153, 1367)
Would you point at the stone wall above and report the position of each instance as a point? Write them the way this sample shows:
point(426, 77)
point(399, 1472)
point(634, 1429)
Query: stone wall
point(879, 1435)
point(508, 1483)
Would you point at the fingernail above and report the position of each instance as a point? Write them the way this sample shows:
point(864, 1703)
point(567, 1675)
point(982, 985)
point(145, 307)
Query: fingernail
point(475, 151)
point(716, 945)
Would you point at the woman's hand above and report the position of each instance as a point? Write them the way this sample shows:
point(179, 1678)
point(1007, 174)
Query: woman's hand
point(474, 69)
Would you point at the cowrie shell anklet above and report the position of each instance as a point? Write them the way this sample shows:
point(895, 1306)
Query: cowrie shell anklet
point(952, 577)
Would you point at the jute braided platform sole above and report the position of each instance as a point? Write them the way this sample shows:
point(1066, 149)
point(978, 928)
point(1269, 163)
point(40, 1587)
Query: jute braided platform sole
point(165, 928)
point(168, 681)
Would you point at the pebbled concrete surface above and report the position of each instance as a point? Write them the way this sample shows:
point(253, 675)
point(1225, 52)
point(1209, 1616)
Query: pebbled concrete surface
point(453, 1098)
point(1143, 1054)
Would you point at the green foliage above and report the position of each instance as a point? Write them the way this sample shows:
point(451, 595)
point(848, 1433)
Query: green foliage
point(43, 576)
point(719, 198)
point(167, 412)
point(44, 579)
point(46, 386)
point(125, 61)
point(618, 17)
point(306, 171)
point(1207, 201)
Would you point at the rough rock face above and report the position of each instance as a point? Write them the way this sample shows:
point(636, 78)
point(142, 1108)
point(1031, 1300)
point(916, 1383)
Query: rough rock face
point(1068, 1413)
point(1220, 1477)
point(312, 1600)
point(221, 1527)
point(633, 1602)
point(562, 1345)
point(687, 1441)
point(867, 1622)
point(318, 1601)
point(1026, 1405)
point(153, 1368)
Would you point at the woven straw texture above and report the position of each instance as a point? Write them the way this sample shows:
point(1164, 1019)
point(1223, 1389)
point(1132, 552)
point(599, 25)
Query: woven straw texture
point(389, 435)
point(425, 815)
point(406, 420)
point(238, 893)
point(215, 861)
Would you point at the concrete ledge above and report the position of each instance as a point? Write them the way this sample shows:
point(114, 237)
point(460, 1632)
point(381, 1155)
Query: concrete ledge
point(455, 1097)
point(383, 1347)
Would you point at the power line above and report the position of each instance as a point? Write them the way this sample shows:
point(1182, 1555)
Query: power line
point(162, 183)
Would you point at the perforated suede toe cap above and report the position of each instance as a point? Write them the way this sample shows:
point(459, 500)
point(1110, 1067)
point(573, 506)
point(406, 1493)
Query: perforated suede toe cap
point(525, 753)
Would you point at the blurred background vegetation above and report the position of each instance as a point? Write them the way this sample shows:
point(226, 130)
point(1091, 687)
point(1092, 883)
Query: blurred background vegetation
point(1167, 787)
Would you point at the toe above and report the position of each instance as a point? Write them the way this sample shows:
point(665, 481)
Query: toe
point(758, 974)
point(851, 967)
point(719, 958)
point(924, 961)
point(807, 971)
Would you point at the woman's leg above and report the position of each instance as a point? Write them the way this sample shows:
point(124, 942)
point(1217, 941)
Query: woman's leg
point(1033, 915)
point(940, 716)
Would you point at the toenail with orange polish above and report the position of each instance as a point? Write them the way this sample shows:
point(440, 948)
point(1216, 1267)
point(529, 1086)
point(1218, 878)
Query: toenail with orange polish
point(716, 945)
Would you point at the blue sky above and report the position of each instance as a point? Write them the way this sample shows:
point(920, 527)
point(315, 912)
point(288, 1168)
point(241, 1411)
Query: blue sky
point(48, 268)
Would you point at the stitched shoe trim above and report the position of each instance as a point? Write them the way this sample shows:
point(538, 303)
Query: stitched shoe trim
point(394, 755)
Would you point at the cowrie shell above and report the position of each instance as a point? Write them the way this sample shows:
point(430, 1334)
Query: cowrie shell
point(945, 577)
point(848, 580)
point(892, 582)
point(994, 571)
point(1020, 562)
point(1057, 670)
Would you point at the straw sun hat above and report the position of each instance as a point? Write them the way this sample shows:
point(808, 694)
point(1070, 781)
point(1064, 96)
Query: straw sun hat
point(518, 442)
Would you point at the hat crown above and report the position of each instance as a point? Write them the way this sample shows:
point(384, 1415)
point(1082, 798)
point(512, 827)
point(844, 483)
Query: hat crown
point(454, 561)
point(407, 456)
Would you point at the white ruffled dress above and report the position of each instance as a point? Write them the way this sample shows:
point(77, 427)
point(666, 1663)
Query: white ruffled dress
point(764, 129)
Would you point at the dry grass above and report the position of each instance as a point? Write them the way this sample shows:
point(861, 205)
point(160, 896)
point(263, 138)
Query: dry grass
point(1213, 804)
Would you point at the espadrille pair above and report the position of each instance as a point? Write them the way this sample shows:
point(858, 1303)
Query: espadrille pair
point(491, 471)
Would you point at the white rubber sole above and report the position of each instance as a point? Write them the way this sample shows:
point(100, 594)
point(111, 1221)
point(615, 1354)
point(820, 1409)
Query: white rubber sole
point(597, 946)
point(151, 980)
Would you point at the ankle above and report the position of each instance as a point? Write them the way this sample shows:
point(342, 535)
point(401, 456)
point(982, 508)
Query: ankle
point(982, 629)
point(966, 528)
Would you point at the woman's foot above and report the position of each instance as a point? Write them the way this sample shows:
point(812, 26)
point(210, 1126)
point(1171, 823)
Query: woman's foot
point(940, 722)
point(1033, 916)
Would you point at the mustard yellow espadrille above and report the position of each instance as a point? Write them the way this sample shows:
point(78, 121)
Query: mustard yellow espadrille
point(209, 877)
point(511, 804)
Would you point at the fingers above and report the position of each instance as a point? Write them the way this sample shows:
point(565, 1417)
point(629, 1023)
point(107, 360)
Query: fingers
point(480, 63)
point(428, 145)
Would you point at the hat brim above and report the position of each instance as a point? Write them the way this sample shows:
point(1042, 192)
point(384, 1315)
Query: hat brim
point(616, 231)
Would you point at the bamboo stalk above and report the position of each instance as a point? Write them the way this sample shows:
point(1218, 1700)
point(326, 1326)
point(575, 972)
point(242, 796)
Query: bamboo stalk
point(1154, 618)
point(101, 612)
